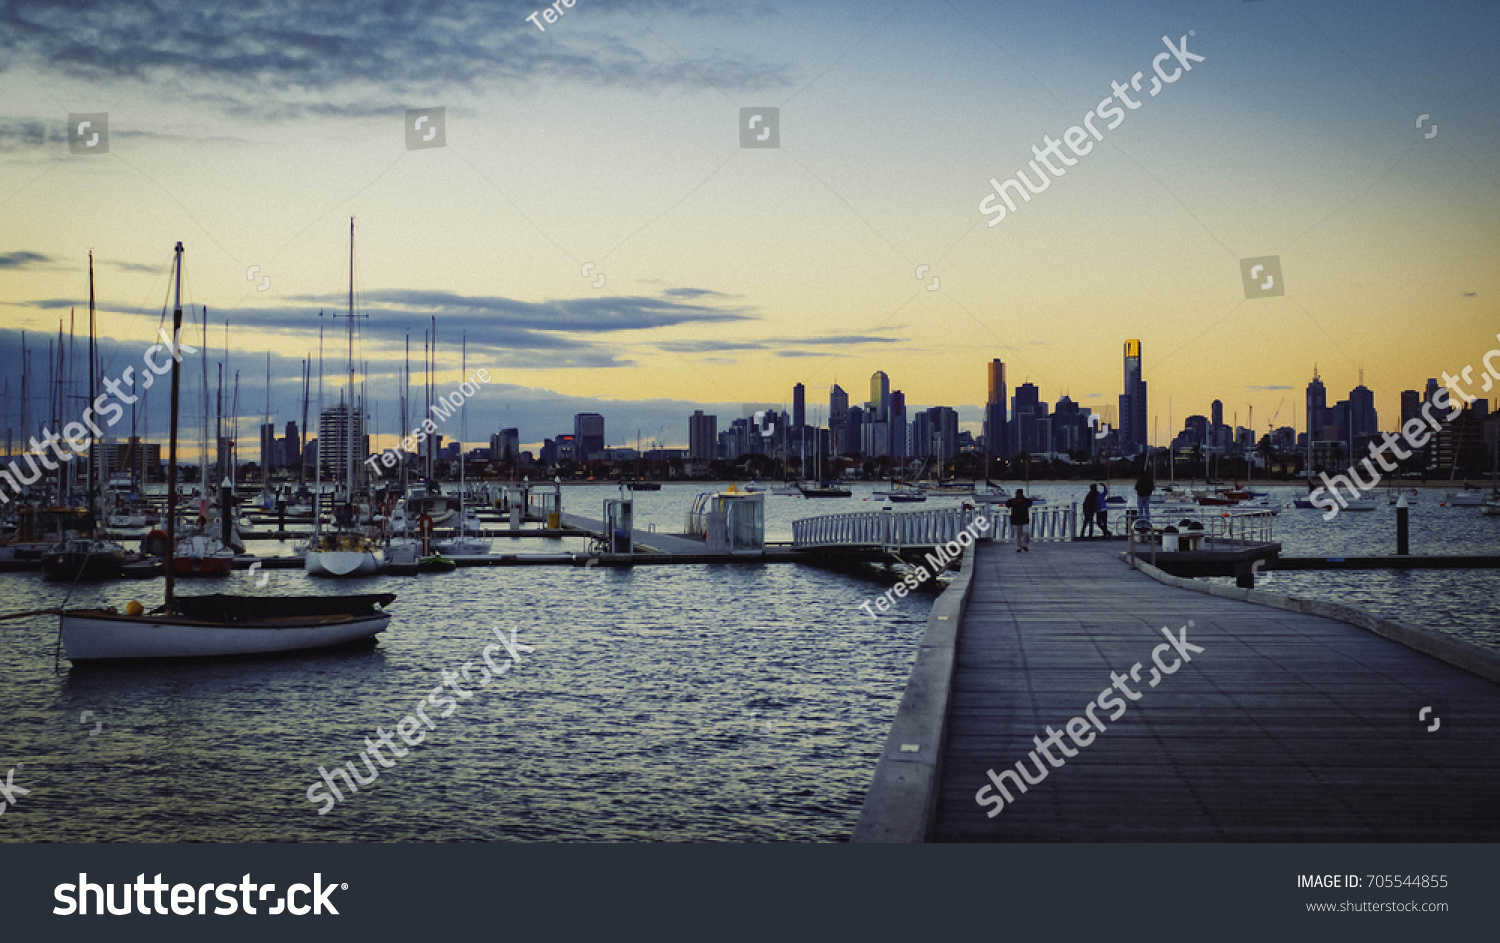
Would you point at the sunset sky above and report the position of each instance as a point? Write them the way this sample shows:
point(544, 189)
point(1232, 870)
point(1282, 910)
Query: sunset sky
point(252, 133)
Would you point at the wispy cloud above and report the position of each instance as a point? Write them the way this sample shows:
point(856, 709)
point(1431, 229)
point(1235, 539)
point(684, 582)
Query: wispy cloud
point(1264, 388)
point(22, 259)
point(281, 59)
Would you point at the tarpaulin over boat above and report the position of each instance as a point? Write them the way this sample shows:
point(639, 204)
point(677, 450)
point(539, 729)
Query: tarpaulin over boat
point(220, 607)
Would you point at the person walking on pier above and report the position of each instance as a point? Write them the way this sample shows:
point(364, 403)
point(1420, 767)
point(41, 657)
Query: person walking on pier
point(1020, 520)
point(1144, 485)
point(1091, 502)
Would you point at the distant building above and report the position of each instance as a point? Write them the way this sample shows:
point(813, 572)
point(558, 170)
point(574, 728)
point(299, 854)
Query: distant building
point(506, 442)
point(291, 446)
point(996, 440)
point(799, 406)
point(341, 437)
point(1134, 429)
point(703, 437)
point(588, 432)
point(270, 450)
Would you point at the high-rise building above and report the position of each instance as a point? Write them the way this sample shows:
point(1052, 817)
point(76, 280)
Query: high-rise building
point(1432, 386)
point(944, 424)
point(1134, 429)
point(291, 448)
point(880, 396)
point(838, 417)
point(1216, 414)
point(505, 443)
point(1411, 406)
point(898, 424)
point(269, 448)
point(799, 407)
point(588, 434)
point(1317, 409)
point(1026, 409)
point(341, 434)
point(1363, 422)
point(996, 443)
point(703, 438)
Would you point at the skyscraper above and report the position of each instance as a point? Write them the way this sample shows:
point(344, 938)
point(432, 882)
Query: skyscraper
point(1411, 405)
point(898, 424)
point(703, 438)
point(1317, 408)
point(337, 446)
point(880, 396)
point(799, 407)
point(588, 434)
point(995, 439)
point(1216, 413)
point(1362, 420)
point(1134, 429)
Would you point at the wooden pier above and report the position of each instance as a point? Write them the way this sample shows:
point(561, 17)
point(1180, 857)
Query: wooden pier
point(1298, 721)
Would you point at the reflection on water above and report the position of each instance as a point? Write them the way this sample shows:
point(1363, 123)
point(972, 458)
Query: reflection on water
point(696, 702)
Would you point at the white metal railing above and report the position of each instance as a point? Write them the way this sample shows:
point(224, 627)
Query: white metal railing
point(1220, 530)
point(895, 530)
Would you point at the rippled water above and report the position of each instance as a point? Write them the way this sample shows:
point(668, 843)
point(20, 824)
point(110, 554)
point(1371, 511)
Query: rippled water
point(740, 703)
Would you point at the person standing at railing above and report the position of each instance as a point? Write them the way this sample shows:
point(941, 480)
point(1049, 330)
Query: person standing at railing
point(1020, 520)
point(1091, 504)
point(1104, 510)
point(1144, 485)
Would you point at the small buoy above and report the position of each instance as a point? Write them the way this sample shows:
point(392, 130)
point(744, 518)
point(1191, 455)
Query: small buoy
point(134, 608)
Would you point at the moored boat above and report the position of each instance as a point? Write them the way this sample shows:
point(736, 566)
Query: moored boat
point(215, 625)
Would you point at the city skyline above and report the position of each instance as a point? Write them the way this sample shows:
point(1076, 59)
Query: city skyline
point(728, 274)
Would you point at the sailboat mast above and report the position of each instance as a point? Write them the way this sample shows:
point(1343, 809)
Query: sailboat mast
point(91, 491)
point(349, 415)
point(167, 567)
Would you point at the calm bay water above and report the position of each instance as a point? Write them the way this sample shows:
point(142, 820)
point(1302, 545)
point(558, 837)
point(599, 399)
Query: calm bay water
point(737, 703)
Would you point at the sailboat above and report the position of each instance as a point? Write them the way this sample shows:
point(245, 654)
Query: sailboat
point(822, 489)
point(84, 556)
point(464, 541)
point(345, 550)
point(215, 625)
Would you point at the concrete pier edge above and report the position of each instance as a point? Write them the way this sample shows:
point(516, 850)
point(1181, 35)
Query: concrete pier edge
point(1456, 652)
point(901, 802)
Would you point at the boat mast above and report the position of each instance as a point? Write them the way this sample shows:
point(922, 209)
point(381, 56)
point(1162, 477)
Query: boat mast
point(89, 489)
point(349, 415)
point(172, 441)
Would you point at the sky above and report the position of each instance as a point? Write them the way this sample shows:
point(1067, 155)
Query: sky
point(609, 145)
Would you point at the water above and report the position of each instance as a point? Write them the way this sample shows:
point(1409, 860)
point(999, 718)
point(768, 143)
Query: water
point(714, 702)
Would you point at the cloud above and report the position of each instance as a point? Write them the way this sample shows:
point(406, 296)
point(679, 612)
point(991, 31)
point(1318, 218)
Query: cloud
point(524, 335)
point(22, 259)
point(777, 344)
point(1266, 388)
point(282, 59)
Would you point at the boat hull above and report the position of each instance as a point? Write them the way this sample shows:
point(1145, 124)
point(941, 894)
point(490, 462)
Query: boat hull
point(93, 635)
point(339, 563)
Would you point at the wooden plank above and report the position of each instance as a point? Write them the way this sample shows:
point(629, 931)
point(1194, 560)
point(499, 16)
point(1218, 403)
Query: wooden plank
point(1288, 726)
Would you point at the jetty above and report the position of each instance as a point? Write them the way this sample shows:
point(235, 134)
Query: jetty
point(1294, 720)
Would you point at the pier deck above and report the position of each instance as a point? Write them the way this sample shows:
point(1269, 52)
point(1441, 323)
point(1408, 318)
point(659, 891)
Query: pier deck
point(1288, 726)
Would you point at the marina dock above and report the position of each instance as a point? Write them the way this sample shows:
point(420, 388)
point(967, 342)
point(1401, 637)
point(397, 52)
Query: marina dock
point(1291, 724)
